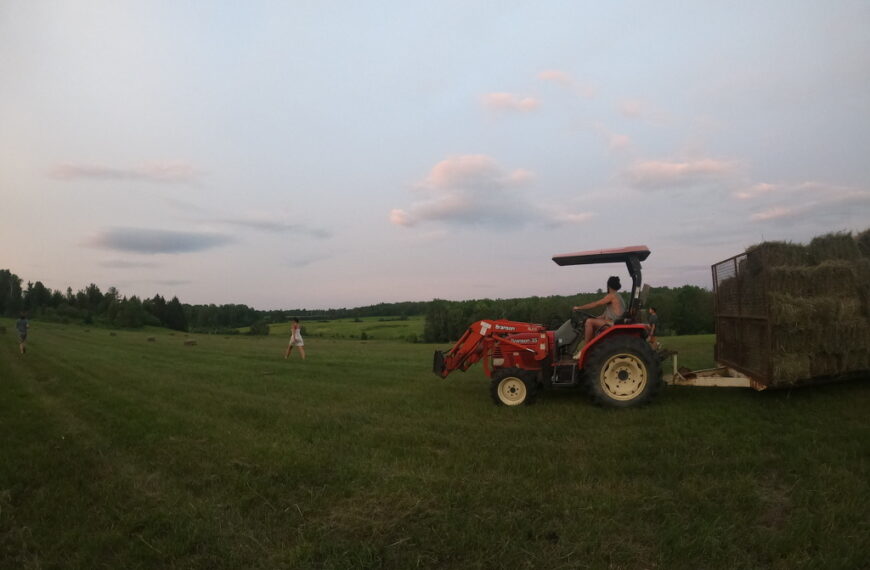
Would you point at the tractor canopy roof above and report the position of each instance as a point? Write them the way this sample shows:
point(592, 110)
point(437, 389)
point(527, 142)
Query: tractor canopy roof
point(624, 254)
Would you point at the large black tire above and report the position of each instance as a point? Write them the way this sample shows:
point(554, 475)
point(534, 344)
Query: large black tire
point(513, 387)
point(622, 371)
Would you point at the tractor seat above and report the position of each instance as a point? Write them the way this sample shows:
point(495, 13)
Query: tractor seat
point(625, 319)
point(566, 334)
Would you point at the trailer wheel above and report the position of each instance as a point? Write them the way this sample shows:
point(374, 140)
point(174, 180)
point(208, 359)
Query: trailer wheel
point(623, 371)
point(513, 387)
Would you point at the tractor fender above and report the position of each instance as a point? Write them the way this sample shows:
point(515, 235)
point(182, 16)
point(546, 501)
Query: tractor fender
point(638, 330)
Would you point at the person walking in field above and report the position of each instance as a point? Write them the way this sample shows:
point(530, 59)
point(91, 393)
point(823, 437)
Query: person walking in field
point(653, 326)
point(21, 325)
point(295, 340)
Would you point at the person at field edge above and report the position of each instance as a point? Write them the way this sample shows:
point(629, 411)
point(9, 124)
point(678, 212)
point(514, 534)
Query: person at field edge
point(22, 325)
point(614, 308)
point(653, 325)
point(295, 340)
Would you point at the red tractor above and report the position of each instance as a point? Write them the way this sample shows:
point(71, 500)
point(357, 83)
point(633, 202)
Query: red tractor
point(617, 366)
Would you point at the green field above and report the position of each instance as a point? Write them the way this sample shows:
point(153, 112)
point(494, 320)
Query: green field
point(375, 328)
point(117, 452)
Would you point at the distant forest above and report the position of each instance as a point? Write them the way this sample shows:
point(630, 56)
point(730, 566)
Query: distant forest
point(682, 310)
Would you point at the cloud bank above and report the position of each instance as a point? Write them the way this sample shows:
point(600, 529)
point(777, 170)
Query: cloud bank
point(165, 173)
point(807, 202)
point(271, 226)
point(656, 174)
point(122, 264)
point(564, 79)
point(509, 102)
point(147, 241)
point(475, 190)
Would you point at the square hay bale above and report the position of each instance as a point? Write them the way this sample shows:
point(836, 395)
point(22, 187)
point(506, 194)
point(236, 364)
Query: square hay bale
point(863, 242)
point(789, 279)
point(776, 253)
point(789, 368)
point(815, 301)
point(824, 364)
point(833, 246)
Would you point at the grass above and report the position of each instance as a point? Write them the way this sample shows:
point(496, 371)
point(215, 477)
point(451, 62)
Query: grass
point(375, 328)
point(123, 453)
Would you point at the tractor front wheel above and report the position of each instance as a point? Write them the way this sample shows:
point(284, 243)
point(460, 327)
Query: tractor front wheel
point(623, 371)
point(513, 387)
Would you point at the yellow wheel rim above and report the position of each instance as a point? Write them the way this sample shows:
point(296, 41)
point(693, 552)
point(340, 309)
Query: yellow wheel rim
point(623, 377)
point(511, 391)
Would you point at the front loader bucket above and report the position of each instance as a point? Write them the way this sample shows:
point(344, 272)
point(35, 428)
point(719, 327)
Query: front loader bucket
point(438, 364)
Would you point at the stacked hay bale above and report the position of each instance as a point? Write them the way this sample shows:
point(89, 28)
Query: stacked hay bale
point(818, 302)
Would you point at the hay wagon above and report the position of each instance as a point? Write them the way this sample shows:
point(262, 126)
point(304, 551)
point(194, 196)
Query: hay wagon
point(788, 315)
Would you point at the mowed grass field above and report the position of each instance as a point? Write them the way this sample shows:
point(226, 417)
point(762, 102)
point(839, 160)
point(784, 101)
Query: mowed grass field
point(375, 328)
point(117, 452)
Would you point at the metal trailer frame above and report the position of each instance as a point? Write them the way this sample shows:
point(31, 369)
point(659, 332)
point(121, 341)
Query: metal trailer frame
point(742, 326)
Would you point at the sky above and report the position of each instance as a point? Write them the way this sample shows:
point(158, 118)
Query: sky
point(326, 154)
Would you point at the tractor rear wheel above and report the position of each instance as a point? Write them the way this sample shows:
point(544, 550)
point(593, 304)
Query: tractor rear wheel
point(622, 371)
point(513, 387)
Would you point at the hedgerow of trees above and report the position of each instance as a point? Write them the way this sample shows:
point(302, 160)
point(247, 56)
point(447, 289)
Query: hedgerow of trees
point(682, 310)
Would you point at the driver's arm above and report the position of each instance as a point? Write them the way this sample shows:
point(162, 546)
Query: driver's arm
point(603, 301)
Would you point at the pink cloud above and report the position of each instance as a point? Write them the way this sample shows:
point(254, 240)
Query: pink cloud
point(509, 101)
point(162, 172)
point(565, 80)
point(661, 173)
point(642, 110)
point(556, 76)
point(574, 218)
point(619, 142)
point(400, 218)
point(475, 171)
point(773, 214)
point(631, 108)
point(755, 191)
point(810, 202)
point(475, 189)
point(615, 141)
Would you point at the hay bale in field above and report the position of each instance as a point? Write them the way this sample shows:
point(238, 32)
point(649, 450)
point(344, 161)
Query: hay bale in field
point(151, 339)
point(113, 334)
point(190, 343)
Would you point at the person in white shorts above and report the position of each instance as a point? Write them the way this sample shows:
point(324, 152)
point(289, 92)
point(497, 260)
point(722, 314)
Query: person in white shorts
point(295, 339)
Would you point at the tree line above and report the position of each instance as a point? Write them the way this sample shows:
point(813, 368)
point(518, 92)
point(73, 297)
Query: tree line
point(682, 310)
point(90, 305)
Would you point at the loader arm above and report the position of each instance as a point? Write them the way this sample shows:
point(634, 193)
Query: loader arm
point(477, 343)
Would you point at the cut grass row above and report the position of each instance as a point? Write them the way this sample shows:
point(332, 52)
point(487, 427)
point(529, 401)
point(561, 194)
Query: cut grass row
point(118, 452)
